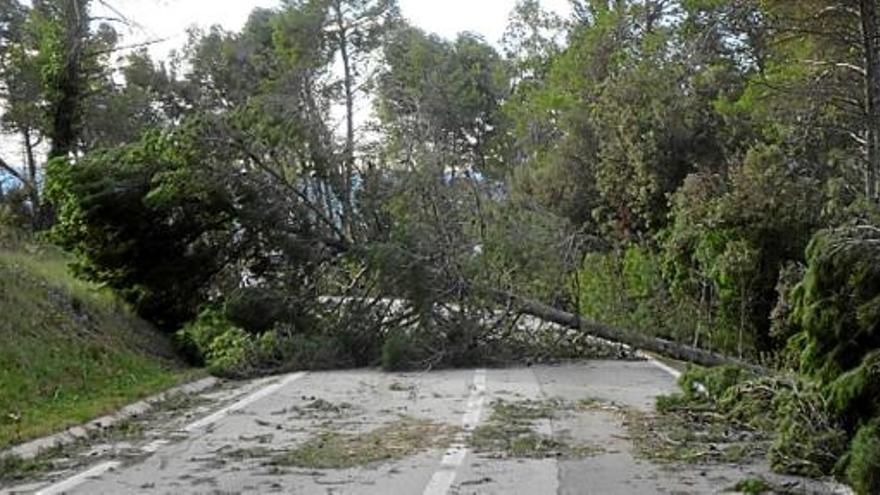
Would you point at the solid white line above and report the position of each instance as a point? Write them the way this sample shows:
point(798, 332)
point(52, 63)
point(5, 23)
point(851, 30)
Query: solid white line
point(442, 480)
point(79, 479)
point(254, 397)
point(669, 369)
point(153, 447)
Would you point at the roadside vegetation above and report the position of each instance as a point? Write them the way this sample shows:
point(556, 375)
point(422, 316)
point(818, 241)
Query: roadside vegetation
point(71, 351)
point(701, 171)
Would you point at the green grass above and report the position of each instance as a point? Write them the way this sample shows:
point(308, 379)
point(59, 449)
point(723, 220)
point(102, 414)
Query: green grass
point(753, 486)
point(70, 351)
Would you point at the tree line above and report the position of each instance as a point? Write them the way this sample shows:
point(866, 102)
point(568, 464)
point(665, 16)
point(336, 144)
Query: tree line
point(702, 171)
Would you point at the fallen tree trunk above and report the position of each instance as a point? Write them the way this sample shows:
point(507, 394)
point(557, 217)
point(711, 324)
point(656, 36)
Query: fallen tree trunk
point(636, 340)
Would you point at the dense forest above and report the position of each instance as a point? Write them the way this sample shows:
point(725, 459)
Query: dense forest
point(334, 187)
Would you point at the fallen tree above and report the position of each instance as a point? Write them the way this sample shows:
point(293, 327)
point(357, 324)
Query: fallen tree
point(637, 340)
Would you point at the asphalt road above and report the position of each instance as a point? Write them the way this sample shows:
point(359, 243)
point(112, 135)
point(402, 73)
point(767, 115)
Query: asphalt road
point(223, 442)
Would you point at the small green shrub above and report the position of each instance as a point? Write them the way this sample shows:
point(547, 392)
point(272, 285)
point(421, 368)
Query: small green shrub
point(217, 343)
point(753, 486)
point(396, 351)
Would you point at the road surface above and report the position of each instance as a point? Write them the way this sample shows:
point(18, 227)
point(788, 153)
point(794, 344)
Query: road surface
point(229, 441)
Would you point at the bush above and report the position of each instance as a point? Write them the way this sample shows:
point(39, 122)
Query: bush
point(214, 341)
point(400, 351)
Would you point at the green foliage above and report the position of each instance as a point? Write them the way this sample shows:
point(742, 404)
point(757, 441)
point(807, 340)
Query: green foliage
point(628, 290)
point(615, 125)
point(835, 312)
point(151, 220)
point(344, 336)
point(807, 438)
point(753, 486)
point(730, 239)
point(401, 351)
point(810, 441)
point(223, 347)
point(716, 382)
point(442, 93)
point(863, 471)
point(530, 250)
point(825, 420)
point(836, 304)
point(71, 351)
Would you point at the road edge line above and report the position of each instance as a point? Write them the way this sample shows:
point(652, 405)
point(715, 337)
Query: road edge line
point(97, 470)
point(241, 404)
point(78, 479)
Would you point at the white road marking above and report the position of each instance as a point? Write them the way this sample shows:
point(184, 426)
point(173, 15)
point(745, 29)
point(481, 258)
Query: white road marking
point(153, 447)
point(254, 397)
point(442, 480)
point(672, 371)
point(669, 369)
point(79, 479)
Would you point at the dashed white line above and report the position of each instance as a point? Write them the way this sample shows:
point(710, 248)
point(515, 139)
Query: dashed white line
point(152, 448)
point(443, 479)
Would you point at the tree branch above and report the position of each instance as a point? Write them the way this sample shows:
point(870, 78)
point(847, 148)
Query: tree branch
point(15, 173)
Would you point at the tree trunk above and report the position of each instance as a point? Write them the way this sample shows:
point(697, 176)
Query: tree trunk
point(65, 114)
point(871, 42)
point(634, 339)
point(34, 191)
point(348, 85)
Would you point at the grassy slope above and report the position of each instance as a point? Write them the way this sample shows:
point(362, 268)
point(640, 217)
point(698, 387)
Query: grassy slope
point(69, 352)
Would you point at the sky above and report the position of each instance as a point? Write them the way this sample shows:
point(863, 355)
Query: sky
point(161, 19)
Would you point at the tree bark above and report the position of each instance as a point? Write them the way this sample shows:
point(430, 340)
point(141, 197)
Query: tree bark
point(69, 87)
point(32, 174)
point(348, 85)
point(871, 46)
point(633, 339)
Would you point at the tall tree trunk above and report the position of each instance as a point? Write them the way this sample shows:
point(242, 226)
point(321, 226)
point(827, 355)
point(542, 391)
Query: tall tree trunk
point(348, 85)
point(68, 86)
point(871, 42)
